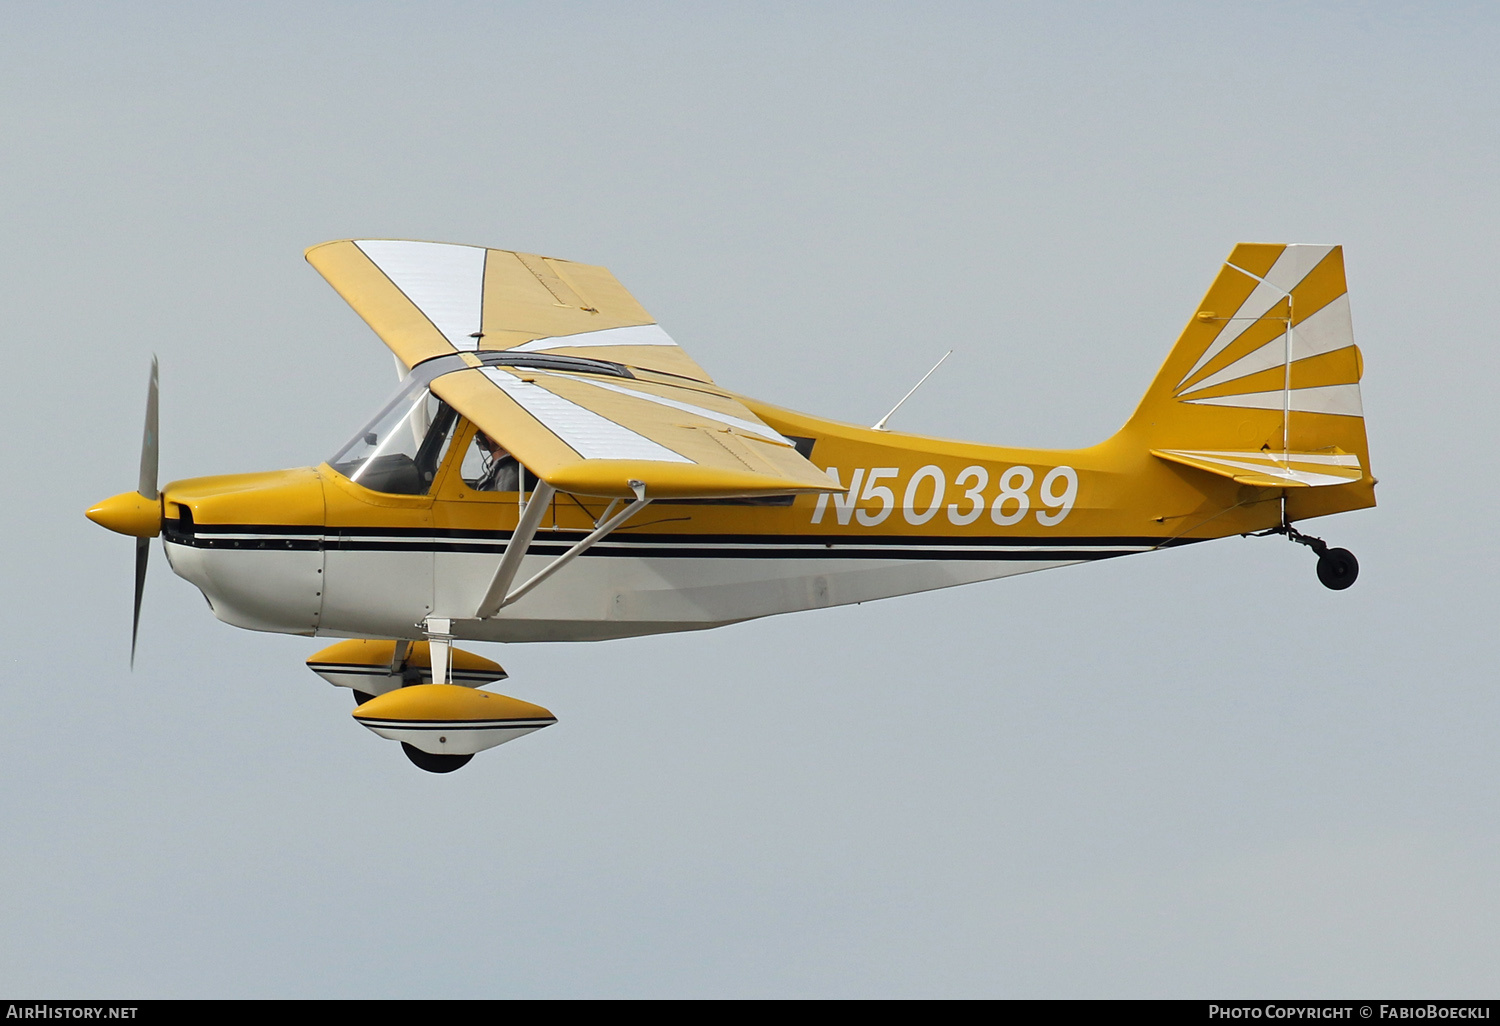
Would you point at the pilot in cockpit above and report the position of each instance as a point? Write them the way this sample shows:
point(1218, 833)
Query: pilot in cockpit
point(499, 470)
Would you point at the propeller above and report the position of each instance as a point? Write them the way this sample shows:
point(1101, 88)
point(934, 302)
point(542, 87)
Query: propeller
point(147, 490)
point(138, 513)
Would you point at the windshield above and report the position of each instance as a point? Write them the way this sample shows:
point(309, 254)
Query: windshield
point(400, 450)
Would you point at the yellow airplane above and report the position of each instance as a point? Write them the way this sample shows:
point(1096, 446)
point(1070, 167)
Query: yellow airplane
point(554, 467)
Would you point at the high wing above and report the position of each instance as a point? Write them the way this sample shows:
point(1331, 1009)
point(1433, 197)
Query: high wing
point(561, 365)
point(427, 299)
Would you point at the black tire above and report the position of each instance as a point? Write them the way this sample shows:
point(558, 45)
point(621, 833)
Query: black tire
point(360, 698)
point(434, 763)
point(1337, 569)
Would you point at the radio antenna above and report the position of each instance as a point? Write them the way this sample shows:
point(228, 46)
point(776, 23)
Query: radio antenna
point(880, 424)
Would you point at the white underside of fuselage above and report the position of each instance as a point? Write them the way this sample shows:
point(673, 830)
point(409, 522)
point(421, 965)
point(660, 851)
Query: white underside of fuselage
point(370, 592)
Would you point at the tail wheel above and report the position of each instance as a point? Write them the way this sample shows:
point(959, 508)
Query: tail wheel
point(433, 763)
point(1337, 569)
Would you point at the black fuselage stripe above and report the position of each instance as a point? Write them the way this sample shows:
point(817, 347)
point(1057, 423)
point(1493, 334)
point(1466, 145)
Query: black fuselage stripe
point(658, 546)
point(768, 551)
point(675, 552)
point(433, 535)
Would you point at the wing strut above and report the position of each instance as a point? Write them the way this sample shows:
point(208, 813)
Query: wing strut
point(530, 520)
point(499, 594)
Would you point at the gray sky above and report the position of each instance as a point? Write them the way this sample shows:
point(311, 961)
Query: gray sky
point(1194, 773)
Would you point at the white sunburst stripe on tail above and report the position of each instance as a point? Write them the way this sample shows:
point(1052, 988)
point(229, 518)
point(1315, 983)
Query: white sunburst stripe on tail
point(1340, 400)
point(1256, 306)
point(1326, 331)
point(1295, 263)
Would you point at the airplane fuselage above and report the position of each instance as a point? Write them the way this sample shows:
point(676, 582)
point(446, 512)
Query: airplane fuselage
point(310, 552)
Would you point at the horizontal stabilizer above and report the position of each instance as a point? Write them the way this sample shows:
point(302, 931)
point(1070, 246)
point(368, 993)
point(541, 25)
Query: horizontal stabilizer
point(1267, 469)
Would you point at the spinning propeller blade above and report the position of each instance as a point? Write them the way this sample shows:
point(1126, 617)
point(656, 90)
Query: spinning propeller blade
point(147, 486)
point(142, 554)
point(147, 490)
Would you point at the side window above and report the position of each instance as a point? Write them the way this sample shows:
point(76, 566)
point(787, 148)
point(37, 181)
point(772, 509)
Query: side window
point(488, 467)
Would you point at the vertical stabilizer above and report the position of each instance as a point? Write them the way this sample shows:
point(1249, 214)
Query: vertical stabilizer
point(1268, 364)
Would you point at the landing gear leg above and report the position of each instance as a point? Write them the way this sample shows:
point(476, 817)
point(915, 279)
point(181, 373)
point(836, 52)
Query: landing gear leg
point(1337, 568)
point(439, 631)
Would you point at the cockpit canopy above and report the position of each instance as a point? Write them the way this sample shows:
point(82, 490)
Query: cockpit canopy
point(401, 450)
